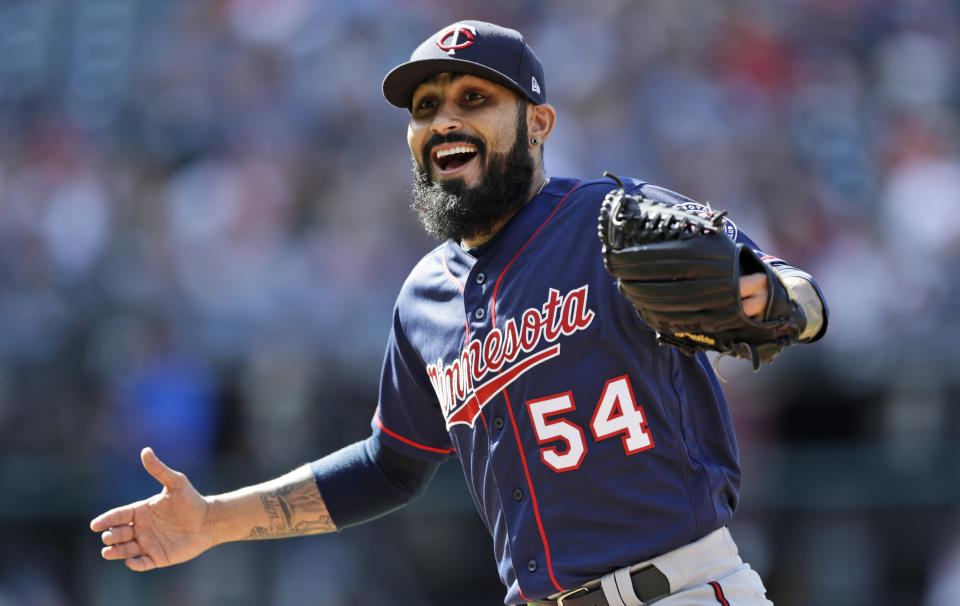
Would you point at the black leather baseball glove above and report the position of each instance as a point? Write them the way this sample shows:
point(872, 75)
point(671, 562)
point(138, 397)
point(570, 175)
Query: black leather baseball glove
point(682, 273)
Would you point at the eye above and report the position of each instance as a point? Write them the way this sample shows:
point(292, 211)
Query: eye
point(425, 104)
point(474, 96)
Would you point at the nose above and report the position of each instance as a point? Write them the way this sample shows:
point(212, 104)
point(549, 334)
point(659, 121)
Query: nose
point(446, 120)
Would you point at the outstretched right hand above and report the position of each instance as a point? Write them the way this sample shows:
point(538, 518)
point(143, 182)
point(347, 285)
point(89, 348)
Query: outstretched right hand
point(166, 529)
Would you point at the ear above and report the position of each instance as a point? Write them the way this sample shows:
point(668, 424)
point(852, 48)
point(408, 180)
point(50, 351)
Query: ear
point(540, 121)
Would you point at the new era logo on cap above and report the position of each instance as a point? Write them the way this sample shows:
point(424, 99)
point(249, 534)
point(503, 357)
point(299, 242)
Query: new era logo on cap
point(495, 53)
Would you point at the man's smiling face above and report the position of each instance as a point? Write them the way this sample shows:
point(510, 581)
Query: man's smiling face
point(457, 122)
point(472, 164)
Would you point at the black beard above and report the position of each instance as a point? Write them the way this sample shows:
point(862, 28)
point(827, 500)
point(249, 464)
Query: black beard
point(449, 210)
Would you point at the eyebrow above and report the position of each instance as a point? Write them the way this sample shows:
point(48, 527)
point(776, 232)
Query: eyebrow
point(454, 76)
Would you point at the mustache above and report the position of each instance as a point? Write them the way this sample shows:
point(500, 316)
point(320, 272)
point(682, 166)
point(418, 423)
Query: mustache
point(437, 139)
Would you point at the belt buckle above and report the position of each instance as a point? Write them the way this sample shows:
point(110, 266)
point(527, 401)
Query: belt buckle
point(570, 593)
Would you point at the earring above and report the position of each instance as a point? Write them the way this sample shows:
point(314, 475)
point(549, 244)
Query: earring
point(534, 141)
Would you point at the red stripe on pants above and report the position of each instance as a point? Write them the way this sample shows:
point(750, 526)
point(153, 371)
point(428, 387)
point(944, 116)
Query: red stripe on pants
point(718, 593)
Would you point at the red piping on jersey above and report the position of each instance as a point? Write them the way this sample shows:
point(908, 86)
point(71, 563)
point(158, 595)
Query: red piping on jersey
point(496, 287)
point(376, 418)
point(533, 495)
point(718, 593)
point(453, 278)
point(513, 419)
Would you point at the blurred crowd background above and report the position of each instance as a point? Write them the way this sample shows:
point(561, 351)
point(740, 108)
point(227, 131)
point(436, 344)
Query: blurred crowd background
point(204, 221)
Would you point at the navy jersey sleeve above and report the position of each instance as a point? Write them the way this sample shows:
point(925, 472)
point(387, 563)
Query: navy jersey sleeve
point(783, 268)
point(408, 417)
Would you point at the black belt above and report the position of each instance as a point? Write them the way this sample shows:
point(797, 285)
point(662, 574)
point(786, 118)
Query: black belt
point(648, 583)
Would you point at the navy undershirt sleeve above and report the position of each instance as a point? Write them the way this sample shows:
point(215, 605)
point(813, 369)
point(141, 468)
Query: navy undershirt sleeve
point(366, 480)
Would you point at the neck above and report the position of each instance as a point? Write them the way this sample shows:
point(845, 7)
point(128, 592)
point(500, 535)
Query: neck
point(537, 183)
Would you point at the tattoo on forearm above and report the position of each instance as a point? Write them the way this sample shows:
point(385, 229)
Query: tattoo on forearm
point(293, 510)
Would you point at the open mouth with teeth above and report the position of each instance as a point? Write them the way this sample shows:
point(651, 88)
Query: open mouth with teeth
point(451, 159)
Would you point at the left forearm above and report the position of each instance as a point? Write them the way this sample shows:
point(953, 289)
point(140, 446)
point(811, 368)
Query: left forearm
point(806, 296)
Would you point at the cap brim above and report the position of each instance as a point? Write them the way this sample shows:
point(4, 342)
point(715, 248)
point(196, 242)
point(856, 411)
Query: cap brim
point(399, 84)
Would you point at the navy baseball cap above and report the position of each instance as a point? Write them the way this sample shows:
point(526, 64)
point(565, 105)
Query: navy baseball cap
point(495, 53)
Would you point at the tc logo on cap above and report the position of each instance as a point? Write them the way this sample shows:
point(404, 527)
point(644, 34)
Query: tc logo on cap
point(450, 40)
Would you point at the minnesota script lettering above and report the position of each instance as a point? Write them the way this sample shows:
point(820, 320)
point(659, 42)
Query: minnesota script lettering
point(462, 395)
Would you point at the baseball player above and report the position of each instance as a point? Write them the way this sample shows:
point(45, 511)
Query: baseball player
point(593, 433)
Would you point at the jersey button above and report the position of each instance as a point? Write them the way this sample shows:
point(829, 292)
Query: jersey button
point(481, 277)
point(479, 313)
point(498, 422)
point(532, 565)
point(517, 494)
